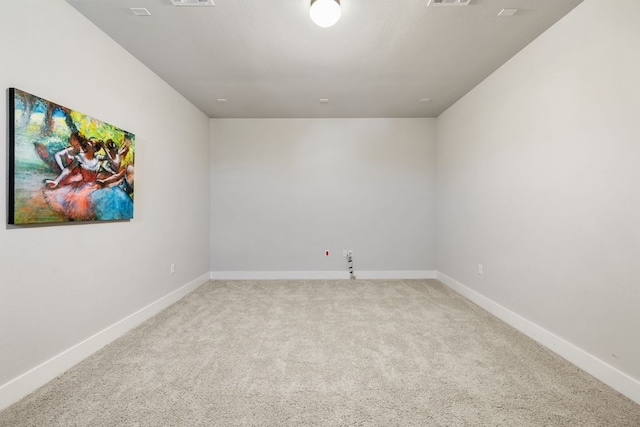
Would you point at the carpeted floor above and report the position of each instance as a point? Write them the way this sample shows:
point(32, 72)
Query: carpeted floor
point(331, 353)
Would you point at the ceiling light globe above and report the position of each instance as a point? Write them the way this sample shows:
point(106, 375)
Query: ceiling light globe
point(325, 13)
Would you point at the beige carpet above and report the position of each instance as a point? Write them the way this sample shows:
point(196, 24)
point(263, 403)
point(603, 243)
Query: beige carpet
point(352, 353)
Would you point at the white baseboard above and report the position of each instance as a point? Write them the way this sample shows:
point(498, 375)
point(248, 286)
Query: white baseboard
point(320, 275)
point(28, 382)
point(400, 274)
point(601, 370)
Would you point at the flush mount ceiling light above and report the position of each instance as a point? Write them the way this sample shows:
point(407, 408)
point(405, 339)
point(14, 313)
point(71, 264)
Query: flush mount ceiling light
point(325, 13)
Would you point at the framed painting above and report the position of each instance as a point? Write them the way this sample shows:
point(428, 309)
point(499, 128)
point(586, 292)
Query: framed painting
point(66, 166)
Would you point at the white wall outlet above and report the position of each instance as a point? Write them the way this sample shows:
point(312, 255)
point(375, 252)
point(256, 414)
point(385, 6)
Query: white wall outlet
point(479, 268)
point(172, 269)
point(350, 252)
point(326, 253)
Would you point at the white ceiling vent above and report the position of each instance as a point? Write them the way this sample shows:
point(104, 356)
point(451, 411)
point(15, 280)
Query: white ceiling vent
point(140, 11)
point(208, 3)
point(449, 2)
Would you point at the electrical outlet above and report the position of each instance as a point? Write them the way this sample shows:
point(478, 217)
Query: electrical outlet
point(172, 269)
point(479, 268)
point(350, 252)
point(326, 253)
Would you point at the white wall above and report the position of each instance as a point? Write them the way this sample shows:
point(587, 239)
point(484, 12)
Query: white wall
point(61, 284)
point(283, 191)
point(539, 181)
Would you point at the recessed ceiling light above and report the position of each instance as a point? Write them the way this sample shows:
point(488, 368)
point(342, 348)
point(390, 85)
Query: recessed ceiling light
point(324, 100)
point(425, 99)
point(140, 11)
point(221, 100)
point(507, 12)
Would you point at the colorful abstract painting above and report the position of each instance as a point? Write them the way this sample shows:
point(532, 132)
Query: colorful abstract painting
point(66, 166)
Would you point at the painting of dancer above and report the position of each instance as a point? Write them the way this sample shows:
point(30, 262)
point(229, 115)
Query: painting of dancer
point(66, 166)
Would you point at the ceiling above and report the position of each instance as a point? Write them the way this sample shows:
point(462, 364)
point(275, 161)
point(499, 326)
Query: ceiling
point(268, 59)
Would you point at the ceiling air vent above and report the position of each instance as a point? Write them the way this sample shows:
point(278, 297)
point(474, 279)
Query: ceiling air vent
point(208, 3)
point(449, 2)
point(140, 11)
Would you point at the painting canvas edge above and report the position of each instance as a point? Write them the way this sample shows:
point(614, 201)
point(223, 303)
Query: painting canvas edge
point(12, 155)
